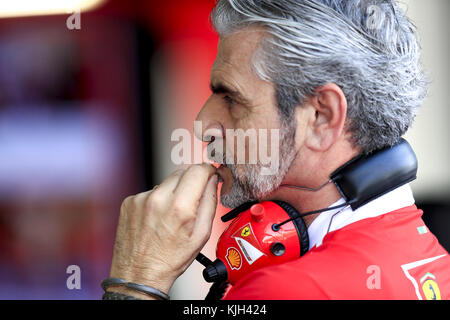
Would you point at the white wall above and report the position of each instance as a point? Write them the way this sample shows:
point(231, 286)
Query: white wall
point(430, 133)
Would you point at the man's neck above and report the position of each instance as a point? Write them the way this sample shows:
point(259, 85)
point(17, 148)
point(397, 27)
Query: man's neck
point(312, 170)
point(306, 201)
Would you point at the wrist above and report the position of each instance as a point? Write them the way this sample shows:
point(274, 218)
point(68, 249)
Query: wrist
point(121, 287)
point(160, 282)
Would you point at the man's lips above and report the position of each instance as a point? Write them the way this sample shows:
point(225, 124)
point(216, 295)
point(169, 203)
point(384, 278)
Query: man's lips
point(225, 174)
point(220, 171)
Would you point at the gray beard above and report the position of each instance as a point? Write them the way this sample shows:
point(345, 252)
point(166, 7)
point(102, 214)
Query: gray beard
point(250, 185)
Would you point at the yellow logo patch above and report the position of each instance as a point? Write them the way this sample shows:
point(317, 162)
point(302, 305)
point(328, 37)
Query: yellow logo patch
point(431, 290)
point(245, 232)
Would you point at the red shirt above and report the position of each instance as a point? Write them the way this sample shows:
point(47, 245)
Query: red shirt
point(391, 256)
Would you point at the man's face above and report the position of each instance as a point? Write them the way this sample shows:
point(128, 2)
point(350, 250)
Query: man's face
point(240, 100)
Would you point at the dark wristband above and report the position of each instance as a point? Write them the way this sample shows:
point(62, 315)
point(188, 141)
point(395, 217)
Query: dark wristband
point(117, 296)
point(154, 293)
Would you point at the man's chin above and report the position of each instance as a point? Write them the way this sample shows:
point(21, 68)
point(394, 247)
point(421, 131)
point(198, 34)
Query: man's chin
point(231, 202)
point(232, 195)
point(235, 197)
point(227, 194)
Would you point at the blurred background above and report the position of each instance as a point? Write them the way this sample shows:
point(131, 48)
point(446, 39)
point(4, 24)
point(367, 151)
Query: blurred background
point(90, 92)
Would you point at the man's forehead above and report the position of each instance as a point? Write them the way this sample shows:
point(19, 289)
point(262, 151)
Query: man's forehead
point(240, 43)
point(235, 53)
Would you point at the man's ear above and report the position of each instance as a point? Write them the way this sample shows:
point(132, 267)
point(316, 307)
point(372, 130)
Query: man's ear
point(327, 116)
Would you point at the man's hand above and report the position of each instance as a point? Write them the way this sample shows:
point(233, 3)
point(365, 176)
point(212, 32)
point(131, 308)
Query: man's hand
point(160, 232)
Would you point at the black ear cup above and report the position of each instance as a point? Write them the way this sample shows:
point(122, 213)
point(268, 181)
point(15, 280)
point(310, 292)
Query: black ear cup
point(302, 229)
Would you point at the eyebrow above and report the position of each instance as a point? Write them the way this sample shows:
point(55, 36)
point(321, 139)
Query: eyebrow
point(221, 88)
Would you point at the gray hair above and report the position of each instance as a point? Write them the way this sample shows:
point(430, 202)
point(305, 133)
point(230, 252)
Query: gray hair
point(368, 48)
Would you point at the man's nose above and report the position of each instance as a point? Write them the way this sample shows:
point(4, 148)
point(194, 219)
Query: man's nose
point(208, 123)
point(208, 131)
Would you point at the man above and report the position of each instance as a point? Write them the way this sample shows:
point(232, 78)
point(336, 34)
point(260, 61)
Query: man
point(337, 79)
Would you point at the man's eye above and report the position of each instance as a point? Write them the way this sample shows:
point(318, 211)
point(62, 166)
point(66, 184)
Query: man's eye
point(229, 100)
